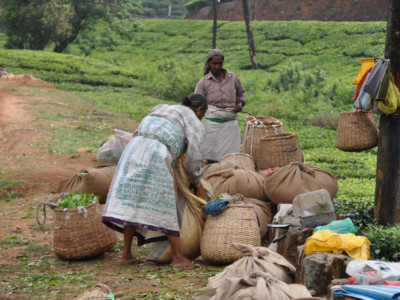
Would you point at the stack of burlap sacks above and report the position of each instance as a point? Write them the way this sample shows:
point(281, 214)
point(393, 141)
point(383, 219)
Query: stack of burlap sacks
point(229, 178)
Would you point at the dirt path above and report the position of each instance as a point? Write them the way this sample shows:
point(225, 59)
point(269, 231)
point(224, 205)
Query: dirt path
point(38, 170)
point(28, 267)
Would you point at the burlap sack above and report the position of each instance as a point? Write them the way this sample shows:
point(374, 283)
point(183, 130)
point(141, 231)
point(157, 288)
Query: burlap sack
point(260, 274)
point(258, 285)
point(262, 208)
point(238, 181)
point(256, 259)
point(285, 183)
point(225, 163)
point(94, 180)
point(100, 291)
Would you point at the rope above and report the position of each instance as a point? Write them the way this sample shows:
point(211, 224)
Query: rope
point(50, 203)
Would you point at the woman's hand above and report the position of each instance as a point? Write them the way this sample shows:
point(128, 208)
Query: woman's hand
point(238, 107)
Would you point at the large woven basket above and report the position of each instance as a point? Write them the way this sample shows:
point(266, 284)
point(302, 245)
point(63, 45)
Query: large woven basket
point(278, 150)
point(242, 160)
point(80, 234)
point(237, 224)
point(257, 128)
point(356, 131)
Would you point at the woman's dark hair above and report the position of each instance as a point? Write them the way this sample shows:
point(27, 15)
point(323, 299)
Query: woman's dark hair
point(195, 100)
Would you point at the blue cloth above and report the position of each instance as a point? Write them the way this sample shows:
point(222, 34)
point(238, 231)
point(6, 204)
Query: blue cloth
point(370, 292)
point(215, 207)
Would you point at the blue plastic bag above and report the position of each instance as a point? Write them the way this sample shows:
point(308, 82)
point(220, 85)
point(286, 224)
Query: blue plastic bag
point(215, 207)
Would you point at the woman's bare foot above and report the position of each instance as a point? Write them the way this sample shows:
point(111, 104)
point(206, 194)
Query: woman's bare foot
point(181, 262)
point(130, 260)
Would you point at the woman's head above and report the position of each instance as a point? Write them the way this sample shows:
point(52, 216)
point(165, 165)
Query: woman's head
point(215, 58)
point(198, 103)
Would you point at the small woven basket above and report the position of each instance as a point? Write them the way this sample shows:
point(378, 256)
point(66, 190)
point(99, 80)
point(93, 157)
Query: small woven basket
point(356, 131)
point(279, 151)
point(237, 224)
point(255, 129)
point(80, 234)
point(242, 160)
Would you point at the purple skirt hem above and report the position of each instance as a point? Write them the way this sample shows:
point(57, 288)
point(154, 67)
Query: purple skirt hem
point(112, 223)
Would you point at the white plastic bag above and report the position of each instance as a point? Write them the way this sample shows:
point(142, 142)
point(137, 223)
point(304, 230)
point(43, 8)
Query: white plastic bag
point(111, 151)
point(364, 270)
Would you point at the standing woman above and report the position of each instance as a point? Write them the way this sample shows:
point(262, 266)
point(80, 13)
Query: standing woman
point(141, 200)
point(225, 96)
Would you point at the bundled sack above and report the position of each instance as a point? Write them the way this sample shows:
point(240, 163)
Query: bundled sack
point(111, 150)
point(93, 180)
point(258, 285)
point(285, 183)
point(238, 181)
point(260, 274)
point(100, 292)
point(255, 259)
point(262, 208)
point(192, 219)
point(241, 160)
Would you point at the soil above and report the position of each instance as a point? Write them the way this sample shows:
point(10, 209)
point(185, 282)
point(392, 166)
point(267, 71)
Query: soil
point(286, 10)
point(37, 173)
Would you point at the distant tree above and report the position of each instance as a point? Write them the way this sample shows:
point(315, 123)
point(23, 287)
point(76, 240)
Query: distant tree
point(215, 18)
point(250, 38)
point(34, 24)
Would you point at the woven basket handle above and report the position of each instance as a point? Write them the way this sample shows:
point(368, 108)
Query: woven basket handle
point(44, 203)
point(50, 203)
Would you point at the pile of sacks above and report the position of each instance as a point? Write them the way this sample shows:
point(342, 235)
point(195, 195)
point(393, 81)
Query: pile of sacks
point(269, 189)
point(227, 178)
point(259, 274)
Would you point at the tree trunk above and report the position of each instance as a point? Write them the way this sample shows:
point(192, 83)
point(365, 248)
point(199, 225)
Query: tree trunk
point(252, 48)
point(252, 5)
point(387, 191)
point(214, 41)
point(61, 45)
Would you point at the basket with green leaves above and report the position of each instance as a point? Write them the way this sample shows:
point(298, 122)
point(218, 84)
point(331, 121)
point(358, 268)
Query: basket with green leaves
point(78, 230)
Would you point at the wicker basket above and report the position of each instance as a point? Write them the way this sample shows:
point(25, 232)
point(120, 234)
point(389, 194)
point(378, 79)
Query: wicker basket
point(80, 233)
point(256, 129)
point(279, 151)
point(356, 131)
point(237, 224)
point(242, 160)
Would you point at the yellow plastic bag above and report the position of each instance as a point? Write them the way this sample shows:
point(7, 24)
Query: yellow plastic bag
point(366, 64)
point(391, 98)
point(356, 247)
